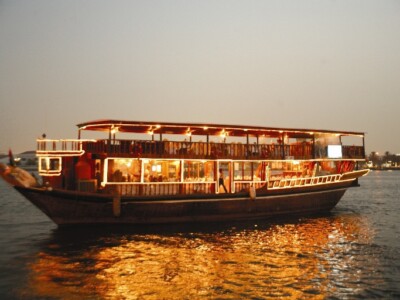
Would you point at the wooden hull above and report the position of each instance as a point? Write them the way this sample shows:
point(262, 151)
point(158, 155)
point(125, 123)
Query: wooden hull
point(73, 208)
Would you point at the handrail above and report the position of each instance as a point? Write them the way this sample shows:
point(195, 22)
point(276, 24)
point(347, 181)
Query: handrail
point(174, 188)
point(185, 149)
point(203, 150)
point(160, 188)
point(60, 146)
point(188, 188)
point(302, 181)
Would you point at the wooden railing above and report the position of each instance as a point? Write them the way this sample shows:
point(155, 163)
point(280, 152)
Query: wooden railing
point(245, 186)
point(302, 181)
point(161, 188)
point(201, 150)
point(168, 188)
point(58, 145)
point(353, 151)
point(190, 188)
point(65, 147)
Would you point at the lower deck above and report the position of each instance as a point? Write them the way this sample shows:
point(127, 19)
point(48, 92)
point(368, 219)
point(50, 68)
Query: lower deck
point(158, 177)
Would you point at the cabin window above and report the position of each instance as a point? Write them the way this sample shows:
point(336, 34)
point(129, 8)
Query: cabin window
point(248, 171)
point(195, 171)
point(50, 164)
point(162, 171)
point(124, 170)
point(243, 171)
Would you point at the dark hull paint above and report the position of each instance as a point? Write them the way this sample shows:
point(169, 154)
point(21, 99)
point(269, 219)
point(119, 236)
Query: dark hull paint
point(73, 208)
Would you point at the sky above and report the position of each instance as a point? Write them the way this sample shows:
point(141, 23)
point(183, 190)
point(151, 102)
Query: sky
point(302, 64)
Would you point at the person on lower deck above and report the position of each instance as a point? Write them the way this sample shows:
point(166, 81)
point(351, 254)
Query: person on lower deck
point(221, 180)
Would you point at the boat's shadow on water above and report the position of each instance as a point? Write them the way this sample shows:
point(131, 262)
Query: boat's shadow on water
point(84, 234)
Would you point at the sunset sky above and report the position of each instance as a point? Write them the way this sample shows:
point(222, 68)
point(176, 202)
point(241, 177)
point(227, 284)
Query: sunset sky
point(303, 64)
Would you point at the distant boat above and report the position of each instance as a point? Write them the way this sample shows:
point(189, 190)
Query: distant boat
point(26, 160)
point(163, 172)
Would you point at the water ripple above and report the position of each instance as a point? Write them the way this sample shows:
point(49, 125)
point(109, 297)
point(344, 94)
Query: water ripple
point(349, 254)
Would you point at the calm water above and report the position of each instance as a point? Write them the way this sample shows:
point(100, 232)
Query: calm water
point(352, 253)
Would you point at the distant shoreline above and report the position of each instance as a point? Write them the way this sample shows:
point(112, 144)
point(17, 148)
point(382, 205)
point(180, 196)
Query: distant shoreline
point(385, 169)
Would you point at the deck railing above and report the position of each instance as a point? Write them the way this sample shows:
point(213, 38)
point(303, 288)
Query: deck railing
point(302, 181)
point(168, 188)
point(190, 188)
point(183, 149)
point(201, 150)
point(161, 188)
point(245, 186)
point(61, 147)
point(353, 152)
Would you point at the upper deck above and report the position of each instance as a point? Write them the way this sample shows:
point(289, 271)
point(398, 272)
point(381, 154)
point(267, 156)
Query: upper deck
point(210, 141)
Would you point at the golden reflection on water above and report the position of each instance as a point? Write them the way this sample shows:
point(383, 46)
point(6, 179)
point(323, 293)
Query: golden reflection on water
point(310, 258)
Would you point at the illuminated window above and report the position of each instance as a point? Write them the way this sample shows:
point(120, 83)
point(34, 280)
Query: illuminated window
point(50, 165)
point(124, 170)
point(198, 171)
point(162, 171)
point(247, 171)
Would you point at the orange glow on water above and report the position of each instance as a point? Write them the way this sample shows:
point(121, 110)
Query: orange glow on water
point(311, 258)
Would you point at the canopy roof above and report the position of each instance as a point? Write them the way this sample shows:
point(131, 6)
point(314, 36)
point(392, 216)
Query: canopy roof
point(204, 129)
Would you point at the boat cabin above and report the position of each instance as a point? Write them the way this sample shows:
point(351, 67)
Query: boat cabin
point(152, 159)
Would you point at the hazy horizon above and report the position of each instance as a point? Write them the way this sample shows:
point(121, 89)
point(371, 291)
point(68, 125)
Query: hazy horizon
point(303, 64)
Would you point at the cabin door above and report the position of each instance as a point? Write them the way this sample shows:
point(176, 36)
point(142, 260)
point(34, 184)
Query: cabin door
point(224, 177)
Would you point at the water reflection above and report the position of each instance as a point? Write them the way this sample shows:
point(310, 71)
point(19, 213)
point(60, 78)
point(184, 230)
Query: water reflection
point(329, 256)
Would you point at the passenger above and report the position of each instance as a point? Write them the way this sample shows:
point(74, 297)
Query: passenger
point(147, 174)
point(221, 180)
